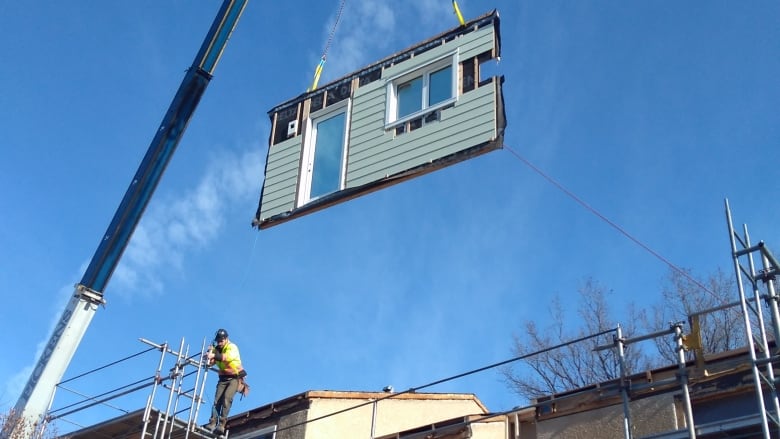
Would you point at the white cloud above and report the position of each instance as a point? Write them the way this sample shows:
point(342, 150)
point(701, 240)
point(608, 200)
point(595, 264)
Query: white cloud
point(14, 384)
point(372, 29)
point(365, 28)
point(440, 15)
point(169, 230)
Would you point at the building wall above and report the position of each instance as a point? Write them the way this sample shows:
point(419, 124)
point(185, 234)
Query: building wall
point(299, 432)
point(392, 415)
point(496, 428)
point(656, 414)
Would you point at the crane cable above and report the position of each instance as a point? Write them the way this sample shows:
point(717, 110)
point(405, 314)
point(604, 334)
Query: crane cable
point(614, 225)
point(318, 69)
point(457, 13)
point(321, 64)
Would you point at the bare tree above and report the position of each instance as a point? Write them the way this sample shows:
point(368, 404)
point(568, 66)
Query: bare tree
point(13, 426)
point(573, 365)
point(683, 298)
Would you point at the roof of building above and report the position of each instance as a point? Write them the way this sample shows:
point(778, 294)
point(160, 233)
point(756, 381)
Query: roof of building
point(132, 424)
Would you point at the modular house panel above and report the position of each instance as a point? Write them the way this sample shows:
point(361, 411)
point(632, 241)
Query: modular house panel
point(395, 129)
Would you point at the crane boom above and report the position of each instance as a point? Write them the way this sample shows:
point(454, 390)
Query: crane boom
point(37, 395)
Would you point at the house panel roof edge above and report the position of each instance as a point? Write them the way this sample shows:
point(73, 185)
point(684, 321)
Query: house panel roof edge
point(470, 26)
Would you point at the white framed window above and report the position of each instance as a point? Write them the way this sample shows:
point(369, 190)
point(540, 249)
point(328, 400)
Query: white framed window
point(412, 95)
point(323, 167)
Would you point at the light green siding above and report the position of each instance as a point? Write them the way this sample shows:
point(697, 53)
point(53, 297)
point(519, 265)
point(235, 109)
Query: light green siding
point(476, 43)
point(468, 45)
point(376, 154)
point(281, 177)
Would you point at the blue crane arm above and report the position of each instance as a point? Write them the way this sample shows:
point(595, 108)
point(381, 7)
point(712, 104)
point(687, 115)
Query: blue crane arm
point(38, 393)
point(160, 151)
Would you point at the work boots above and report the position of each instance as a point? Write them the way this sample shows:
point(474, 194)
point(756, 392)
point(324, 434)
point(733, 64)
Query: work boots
point(220, 430)
point(210, 426)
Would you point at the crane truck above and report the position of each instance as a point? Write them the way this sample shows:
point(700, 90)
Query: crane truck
point(36, 397)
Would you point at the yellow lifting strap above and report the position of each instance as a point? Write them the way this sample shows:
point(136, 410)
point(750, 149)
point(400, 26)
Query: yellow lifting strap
point(318, 69)
point(457, 12)
point(317, 73)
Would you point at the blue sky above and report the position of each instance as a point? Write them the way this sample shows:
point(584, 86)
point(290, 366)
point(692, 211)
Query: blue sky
point(651, 112)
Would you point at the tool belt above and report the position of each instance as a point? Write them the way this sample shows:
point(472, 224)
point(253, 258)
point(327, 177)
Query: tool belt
point(243, 387)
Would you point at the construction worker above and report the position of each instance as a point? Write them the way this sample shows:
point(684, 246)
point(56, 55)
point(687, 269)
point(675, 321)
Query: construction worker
point(225, 355)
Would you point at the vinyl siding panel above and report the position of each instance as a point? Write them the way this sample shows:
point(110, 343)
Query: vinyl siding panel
point(368, 110)
point(281, 177)
point(281, 165)
point(477, 42)
point(359, 136)
point(368, 119)
point(474, 43)
point(470, 122)
point(378, 143)
point(278, 202)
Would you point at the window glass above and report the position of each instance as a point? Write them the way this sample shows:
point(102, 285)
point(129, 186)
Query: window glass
point(440, 86)
point(421, 91)
point(328, 155)
point(409, 97)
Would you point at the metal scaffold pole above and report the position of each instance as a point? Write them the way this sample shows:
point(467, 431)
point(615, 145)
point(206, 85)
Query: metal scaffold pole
point(620, 343)
point(150, 401)
point(762, 355)
point(683, 377)
point(167, 422)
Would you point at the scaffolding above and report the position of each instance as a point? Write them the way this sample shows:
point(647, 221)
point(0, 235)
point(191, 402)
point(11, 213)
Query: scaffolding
point(172, 405)
point(762, 335)
point(757, 297)
point(168, 421)
point(626, 386)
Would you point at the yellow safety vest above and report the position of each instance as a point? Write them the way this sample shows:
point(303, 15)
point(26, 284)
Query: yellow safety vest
point(230, 364)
